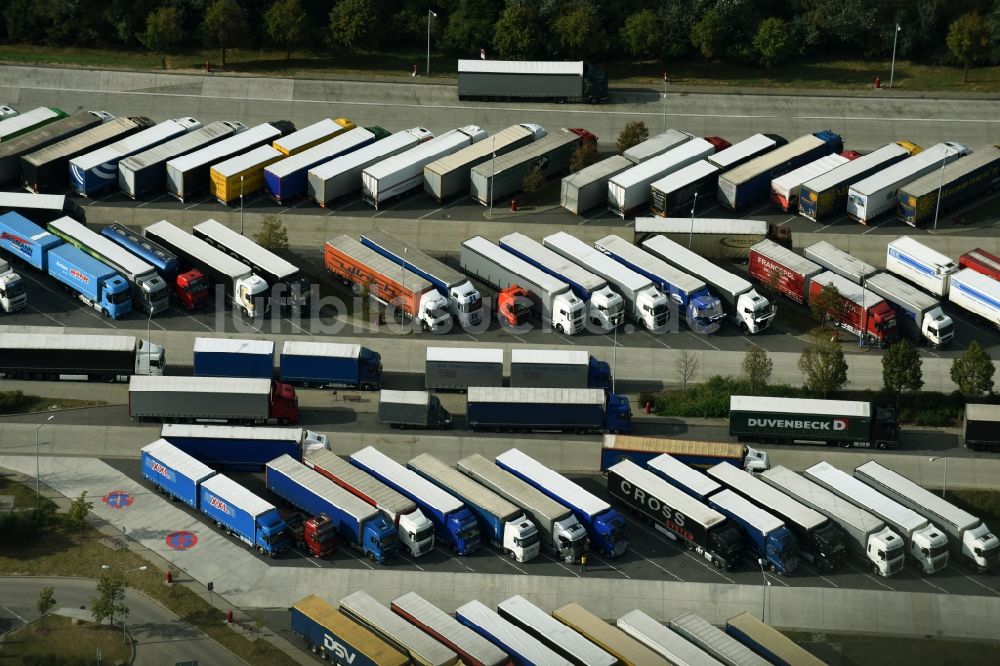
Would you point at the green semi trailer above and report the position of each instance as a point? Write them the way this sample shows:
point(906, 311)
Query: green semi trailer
point(845, 423)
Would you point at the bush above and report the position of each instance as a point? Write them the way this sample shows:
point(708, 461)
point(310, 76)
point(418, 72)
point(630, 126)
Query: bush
point(709, 400)
point(12, 401)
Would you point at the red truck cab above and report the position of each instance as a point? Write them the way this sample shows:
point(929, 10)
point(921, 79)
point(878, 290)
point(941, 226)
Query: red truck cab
point(514, 305)
point(284, 403)
point(719, 143)
point(315, 536)
point(585, 136)
point(191, 289)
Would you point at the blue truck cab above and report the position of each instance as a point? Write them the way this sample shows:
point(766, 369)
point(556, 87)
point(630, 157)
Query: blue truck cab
point(766, 535)
point(164, 261)
point(94, 282)
point(26, 241)
point(599, 376)
point(618, 416)
point(244, 515)
point(174, 472)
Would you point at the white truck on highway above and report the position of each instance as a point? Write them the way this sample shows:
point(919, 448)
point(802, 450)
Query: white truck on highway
point(912, 260)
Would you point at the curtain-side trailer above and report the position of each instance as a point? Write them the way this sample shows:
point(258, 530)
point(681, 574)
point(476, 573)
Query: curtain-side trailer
point(338, 639)
point(86, 357)
point(523, 648)
point(472, 648)
point(12, 151)
point(554, 634)
point(504, 80)
point(420, 647)
point(715, 642)
point(768, 642)
point(663, 640)
point(608, 637)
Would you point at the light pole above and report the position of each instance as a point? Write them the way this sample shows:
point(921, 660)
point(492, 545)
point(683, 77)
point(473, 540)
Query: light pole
point(944, 479)
point(124, 609)
point(38, 476)
point(149, 352)
point(241, 205)
point(937, 207)
point(614, 352)
point(864, 315)
point(430, 15)
point(493, 164)
point(664, 102)
point(402, 284)
point(694, 204)
point(892, 70)
point(763, 589)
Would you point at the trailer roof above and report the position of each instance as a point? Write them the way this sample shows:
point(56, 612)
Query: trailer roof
point(74, 144)
point(178, 384)
point(327, 149)
point(655, 166)
point(847, 289)
point(644, 260)
point(902, 171)
point(530, 648)
point(180, 145)
point(515, 264)
point(602, 170)
point(197, 247)
point(406, 478)
point(720, 645)
point(913, 247)
point(404, 397)
point(536, 395)
point(258, 157)
point(323, 487)
point(135, 143)
point(830, 256)
point(901, 292)
point(806, 172)
point(210, 155)
point(422, 648)
point(980, 412)
point(323, 349)
point(47, 341)
point(538, 501)
point(772, 159)
point(234, 346)
point(981, 287)
point(389, 144)
point(663, 640)
point(815, 494)
point(865, 496)
point(468, 641)
point(247, 248)
point(568, 640)
point(933, 502)
point(379, 264)
point(550, 356)
point(782, 647)
point(474, 153)
point(232, 492)
point(360, 481)
point(668, 445)
point(740, 150)
point(192, 430)
point(465, 354)
point(462, 486)
point(553, 261)
point(702, 225)
point(656, 145)
point(328, 617)
point(102, 245)
point(593, 259)
point(692, 173)
point(426, 151)
point(22, 121)
point(308, 134)
point(678, 500)
point(768, 497)
point(786, 257)
point(526, 153)
point(83, 261)
point(754, 403)
point(414, 256)
point(175, 459)
point(553, 481)
point(699, 482)
point(698, 265)
point(54, 202)
point(847, 173)
point(607, 636)
point(71, 124)
point(521, 67)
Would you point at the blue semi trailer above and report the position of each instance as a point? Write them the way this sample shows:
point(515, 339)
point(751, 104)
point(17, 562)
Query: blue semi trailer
point(547, 409)
point(227, 357)
point(164, 261)
point(173, 472)
point(330, 365)
point(287, 179)
point(606, 528)
point(243, 448)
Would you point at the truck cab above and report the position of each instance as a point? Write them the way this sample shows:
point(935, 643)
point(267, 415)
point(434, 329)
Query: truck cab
point(465, 528)
point(315, 535)
point(755, 460)
point(881, 324)
point(250, 292)
point(415, 532)
point(152, 294)
point(191, 289)
point(568, 313)
point(514, 306)
point(886, 552)
point(521, 539)
point(618, 415)
point(571, 537)
point(271, 535)
point(466, 304)
point(13, 293)
point(604, 308)
point(704, 313)
point(653, 309)
point(150, 358)
point(611, 532)
point(379, 540)
point(284, 403)
point(115, 298)
point(433, 313)
point(886, 430)
point(754, 312)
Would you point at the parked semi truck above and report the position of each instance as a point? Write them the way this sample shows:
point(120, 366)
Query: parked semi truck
point(843, 423)
point(363, 269)
point(855, 309)
point(420, 410)
point(501, 523)
point(453, 522)
point(330, 365)
point(357, 523)
point(923, 199)
point(415, 644)
point(768, 642)
point(696, 453)
point(917, 314)
point(243, 289)
point(290, 290)
point(555, 368)
point(415, 532)
point(869, 539)
point(500, 177)
point(981, 427)
point(712, 238)
point(785, 189)
point(912, 260)
point(821, 541)
point(464, 301)
point(630, 190)
point(232, 507)
point(646, 304)
point(287, 179)
point(555, 635)
point(606, 636)
point(840, 262)
point(522, 647)
point(606, 528)
point(524, 409)
point(241, 448)
point(663, 640)
point(588, 188)
point(107, 358)
point(504, 80)
point(715, 642)
point(13, 293)
point(702, 309)
point(968, 536)
point(783, 270)
point(604, 305)
point(470, 647)
point(977, 293)
point(676, 515)
point(229, 399)
point(744, 306)
point(228, 357)
point(562, 534)
point(338, 639)
point(458, 368)
point(12, 151)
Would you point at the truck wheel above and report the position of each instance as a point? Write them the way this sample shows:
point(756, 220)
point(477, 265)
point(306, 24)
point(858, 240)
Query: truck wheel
point(773, 568)
point(717, 564)
point(284, 421)
point(560, 328)
point(104, 312)
point(370, 556)
point(882, 445)
point(366, 387)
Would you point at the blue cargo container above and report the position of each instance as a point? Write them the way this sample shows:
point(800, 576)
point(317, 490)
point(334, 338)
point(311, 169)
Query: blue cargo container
point(95, 283)
point(338, 639)
point(244, 448)
point(243, 515)
point(26, 241)
point(225, 357)
point(174, 472)
point(288, 179)
point(164, 261)
point(332, 365)
point(547, 409)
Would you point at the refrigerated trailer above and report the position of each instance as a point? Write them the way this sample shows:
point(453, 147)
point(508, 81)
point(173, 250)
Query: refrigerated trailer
point(927, 268)
point(630, 189)
point(449, 176)
point(241, 175)
point(834, 259)
point(608, 637)
point(680, 188)
point(471, 648)
point(220, 399)
point(41, 208)
point(12, 151)
point(672, 646)
point(106, 358)
point(287, 179)
point(504, 80)
point(497, 178)
point(976, 293)
point(785, 189)
point(981, 427)
point(566, 642)
point(403, 636)
point(523, 648)
point(918, 314)
point(656, 145)
point(934, 193)
point(547, 410)
point(743, 151)
point(312, 135)
point(338, 639)
point(715, 642)
point(588, 188)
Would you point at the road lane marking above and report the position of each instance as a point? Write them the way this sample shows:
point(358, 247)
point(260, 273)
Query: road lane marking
point(608, 564)
point(560, 563)
point(507, 560)
point(872, 578)
point(965, 575)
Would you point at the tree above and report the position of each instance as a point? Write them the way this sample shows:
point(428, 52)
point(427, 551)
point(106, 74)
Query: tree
point(823, 366)
point(641, 34)
point(902, 369)
point(285, 24)
point(46, 600)
point(583, 157)
point(225, 26)
point(534, 181)
point(709, 35)
point(635, 132)
point(579, 31)
point(757, 368)
point(110, 599)
point(773, 41)
point(973, 372)
point(827, 305)
point(468, 26)
point(354, 24)
point(163, 30)
point(272, 234)
point(968, 40)
point(687, 367)
point(78, 511)
point(517, 34)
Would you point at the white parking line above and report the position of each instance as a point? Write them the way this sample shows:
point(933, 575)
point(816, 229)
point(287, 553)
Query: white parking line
point(873, 228)
point(293, 324)
point(146, 203)
point(14, 614)
point(676, 545)
point(560, 563)
point(306, 557)
point(702, 338)
point(198, 203)
point(450, 556)
point(436, 210)
point(346, 205)
point(980, 584)
point(608, 564)
point(509, 561)
point(657, 340)
point(45, 314)
point(395, 205)
point(183, 312)
point(411, 561)
point(936, 587)
point(819, 575)
point(655, 564)
point(872, 578)
point(513, 335)
point(788, 220)
point(592, 217)
point(753, 213)
point(776, 579)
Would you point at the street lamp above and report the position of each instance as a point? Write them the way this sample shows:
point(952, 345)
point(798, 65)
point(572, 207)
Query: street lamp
point(664, 101)
point(864, 315)
point(944, 479)
point(694, 204)
point(107, 567)
point(489, 185)
point(614, 351)
point(38, 476)
point(767, 584)
point(241, 205)
point(402, 285)
point(892, 70)
point(430, 15)
point(937, 208)
point(149, 352)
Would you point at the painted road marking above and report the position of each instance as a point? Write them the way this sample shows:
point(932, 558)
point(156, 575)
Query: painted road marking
point(118, 499)
point(182, 540)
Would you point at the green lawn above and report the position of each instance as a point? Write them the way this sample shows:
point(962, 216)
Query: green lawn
point(16, 402)
point(858, 650)
point(56, 640)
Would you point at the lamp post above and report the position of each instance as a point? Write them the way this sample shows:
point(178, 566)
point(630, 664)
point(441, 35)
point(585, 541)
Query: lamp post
point(614, 352)
point(430, 15)
point(124, 609)
point(937, 207)
point(664, 102)
point(241, 205)
point(493, 164)
point(38, 476)
point(694, 204)
point(864, 315)
point(149, 352)
point(892, 70)
point(763, 589)
point(944, 479)
point(402, 284)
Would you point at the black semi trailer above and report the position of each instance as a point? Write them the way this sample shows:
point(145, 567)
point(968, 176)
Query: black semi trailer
point(555, 81)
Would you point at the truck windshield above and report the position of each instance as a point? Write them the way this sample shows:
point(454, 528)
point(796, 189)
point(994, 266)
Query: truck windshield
point(424, 534)
point(121, 297)
point(530, 540)
point(16, 289)
point(469, 534)
point(199, 284)
point(388, 541)
point(471, 306)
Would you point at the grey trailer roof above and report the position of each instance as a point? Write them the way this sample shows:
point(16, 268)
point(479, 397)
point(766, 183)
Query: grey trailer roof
point(553, 481)
point(785, 649)
point(653, 167)
point(902, 171)
point(335, 146)
point(692, 173)
point(190, 430)
point(462, 486)
point(525, 153)
point(199, 248)
point(321, 349)
point(416, 257)
point(717, 276)
point(931, 182)
point(521, 67)
point(181, 145)
point(234, 346)
point(847, 173)
point(754, 403)
point(862, 494)
point(627, 649)
point(555, 632)
point(549, 356)
point(389, 144)
point(740, 150)
point(465, 157)
point(786, 257)
point(422, 648)
point(767, 496)
point(178, 384)
point(723, 647)
point(379, 264)
point(596, 260)
point(700, 483)
point(677, 499)
point(602, 170)
point(536, 395)
point(73, 144)
point(931, 501)
point(702, 225)
point(261, 155)
point(537, 500)
point(979, 412)
point(656, 145)
point(175, 459)
point(361, 481)
point(29, 200)
point(135, 142)
point(428, 150)
point(915, 248)
point(639, 257)
point(536, 652)
point(404, 397)
point(307, 135)
point(102, 245)
point(554, 261)
point(847, 289)
point(477, 647)
point(22, 121)
point(237, 495)
point(835, 259)
point(212, 154)
point(464, 355)
point(904, 292)
point(52, 341)
point(407, 478)
point(773, 158)
point(831, 504)
point(246, 248)
point(677, 649)
point(516, 265)
point(323, 487)
point(796, 177)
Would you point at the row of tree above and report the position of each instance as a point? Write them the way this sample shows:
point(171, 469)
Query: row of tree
point(744, 31)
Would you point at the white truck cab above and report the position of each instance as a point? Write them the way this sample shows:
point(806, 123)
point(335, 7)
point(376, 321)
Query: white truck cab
point(7, 111)
point(654, 308)
point(754, 312)
point(568, 313)
point(433, 313)
point(605, 307)
point(416, 533)
point(149, 358)
point(755, 460)
point(521, 539)
point(13, 293)
point(570, 538)
point(248, 289)
point(466, 303)
point(886, 552)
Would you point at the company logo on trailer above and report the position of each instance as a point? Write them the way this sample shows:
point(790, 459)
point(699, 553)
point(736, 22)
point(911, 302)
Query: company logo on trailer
point(24, 246)
point(220, 505)
point(673, 519)
point(79, 276)
point(338, 649)
point(161, 469)
point(833, 425)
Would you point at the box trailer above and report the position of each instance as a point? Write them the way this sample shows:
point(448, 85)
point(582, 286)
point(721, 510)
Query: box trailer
point(323, 130)
point(497, 178)
point(588, 188)
point(412, 409)
point(244, 515)
point(555, 368)
point(656, 145)
point(13, 126)
point(146, 172)
point(12, 151)
point(287, 179)
point(785, 189)
point(981, 261)
point(713, 238)
point(923, 199)
point(976, 293)
point(555, 635)
point(458, 368)
point(793, 420)
point(834, 259)
point(26, 241)
point(630, 189)
point(912, 260)
point(164, 261)
point(609, 638)
point(855, 309)
point(106, 358)
point(917, 314)
point(981, 427)
point(695, 453)
point(522, 647)
point(663, 640)
point(228, 357)
point(505, 80)
point(408, 639)
point(174, 472)
point(243, 448)
point(547, 410)
point(743, 151)
point(242, 175)
point(678, 189)
point(338, 639)
point(765, 534)
point(769, 642)
point(782, 270)
point(222, 399)
point(92, 281)
point(330, 365)
point(449, 176)
point(715, 642)
point(471, 648)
